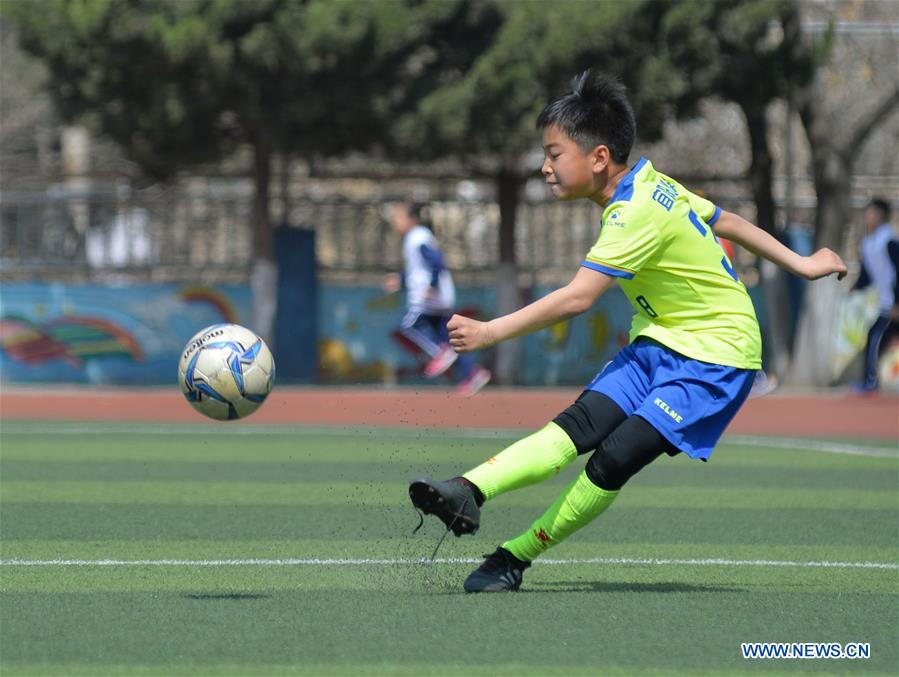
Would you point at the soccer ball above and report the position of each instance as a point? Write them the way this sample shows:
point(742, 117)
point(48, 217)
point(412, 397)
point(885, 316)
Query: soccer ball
point(226, 372)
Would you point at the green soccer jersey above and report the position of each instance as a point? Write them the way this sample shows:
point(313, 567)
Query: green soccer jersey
point(656, 237)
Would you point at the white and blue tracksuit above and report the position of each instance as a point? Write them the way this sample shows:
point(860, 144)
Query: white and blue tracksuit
point(879, 254)
point(430, 295)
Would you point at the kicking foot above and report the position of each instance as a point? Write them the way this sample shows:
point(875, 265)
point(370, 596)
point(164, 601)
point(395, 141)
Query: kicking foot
point(501, 571)
point(453, 502)
point(442, 361)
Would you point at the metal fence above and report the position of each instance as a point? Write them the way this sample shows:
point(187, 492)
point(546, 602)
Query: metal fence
point(186, 237)
point(66, 236)
point(101, 236)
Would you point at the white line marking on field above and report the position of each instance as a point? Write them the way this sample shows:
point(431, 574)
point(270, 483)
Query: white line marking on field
point(207, 430)
point(314, 561)
point(812, 445)
point(793, 443)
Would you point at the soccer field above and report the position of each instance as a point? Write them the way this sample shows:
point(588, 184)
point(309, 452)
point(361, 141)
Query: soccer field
point(241, 549)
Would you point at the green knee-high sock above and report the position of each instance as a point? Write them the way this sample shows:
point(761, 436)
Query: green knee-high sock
point(528, 461)
point(578, 505)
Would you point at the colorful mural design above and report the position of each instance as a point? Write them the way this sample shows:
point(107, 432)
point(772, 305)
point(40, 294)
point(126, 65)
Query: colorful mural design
point(129, 335)
point(358, 341)
point(70, 338)
point(133, 335)
point(213, 298)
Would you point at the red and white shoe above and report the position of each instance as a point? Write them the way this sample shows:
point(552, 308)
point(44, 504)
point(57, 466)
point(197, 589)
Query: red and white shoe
point(473, 384)
point(441, 362)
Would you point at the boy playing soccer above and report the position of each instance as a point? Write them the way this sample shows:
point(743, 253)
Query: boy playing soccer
point(695, 344)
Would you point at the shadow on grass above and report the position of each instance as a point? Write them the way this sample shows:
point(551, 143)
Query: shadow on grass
point(606, 586)
point(225, 595)
point(602, 587)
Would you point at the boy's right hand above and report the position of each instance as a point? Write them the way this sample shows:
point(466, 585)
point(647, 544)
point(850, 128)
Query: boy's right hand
point(391, 283)
point(467, 334)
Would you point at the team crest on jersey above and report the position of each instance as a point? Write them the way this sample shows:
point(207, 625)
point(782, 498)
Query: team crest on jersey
point(614, 219)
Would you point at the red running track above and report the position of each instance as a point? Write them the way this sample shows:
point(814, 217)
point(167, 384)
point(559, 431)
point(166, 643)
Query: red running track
point(829, 414)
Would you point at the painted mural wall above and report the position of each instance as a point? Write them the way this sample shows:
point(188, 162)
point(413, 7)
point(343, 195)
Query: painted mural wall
point(360, 341)
point(133, 335)
point(130, 335)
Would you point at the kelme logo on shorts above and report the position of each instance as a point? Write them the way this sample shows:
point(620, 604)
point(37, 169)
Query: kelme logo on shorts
point(668, 410)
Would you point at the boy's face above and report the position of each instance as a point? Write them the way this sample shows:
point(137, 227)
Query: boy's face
point(402, 222)
point(873, 217)
point(570, 172)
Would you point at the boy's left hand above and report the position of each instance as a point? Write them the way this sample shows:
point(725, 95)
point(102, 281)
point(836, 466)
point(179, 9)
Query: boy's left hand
point(467, 334)
point(392, 283)
point(822, 263)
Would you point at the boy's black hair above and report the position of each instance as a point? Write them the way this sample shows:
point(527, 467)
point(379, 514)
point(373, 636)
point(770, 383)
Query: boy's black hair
point(882, 205)
point(595, 112)
point(419, 212)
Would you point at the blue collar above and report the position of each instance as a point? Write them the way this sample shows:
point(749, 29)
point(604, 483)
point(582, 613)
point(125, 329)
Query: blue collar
point(625, 188)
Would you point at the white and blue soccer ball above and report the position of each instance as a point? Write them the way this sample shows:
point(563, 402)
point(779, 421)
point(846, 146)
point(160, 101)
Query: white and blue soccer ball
point(226, 371)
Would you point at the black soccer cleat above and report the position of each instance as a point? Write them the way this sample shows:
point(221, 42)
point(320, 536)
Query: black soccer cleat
point(453, 502)
point(500, 571)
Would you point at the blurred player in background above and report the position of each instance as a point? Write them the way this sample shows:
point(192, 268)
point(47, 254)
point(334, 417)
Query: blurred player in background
point(879, 255)
point(430, 299)
point(695, 338)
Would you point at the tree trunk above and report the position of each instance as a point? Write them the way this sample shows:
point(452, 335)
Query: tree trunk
point(760, 165)
point(774, 280)
point(833, 161)
point(262, 174)
point(832, 165)
point(831, 170)
point(508, 299)
point(812, 363)
point(264, 276)
point(832, 175)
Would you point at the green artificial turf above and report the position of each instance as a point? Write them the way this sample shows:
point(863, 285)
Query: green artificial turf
point(195, 503)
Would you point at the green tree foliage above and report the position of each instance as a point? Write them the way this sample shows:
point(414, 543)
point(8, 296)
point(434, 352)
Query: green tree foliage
point(485, 113)
point(670, 54)
point(179, 82)
point(150, 76)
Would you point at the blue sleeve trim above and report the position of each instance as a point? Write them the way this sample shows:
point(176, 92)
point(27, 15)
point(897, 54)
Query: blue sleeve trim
point(893, 253)
point(863, 279)
point(614, 272)
point(714, 217)
point(625, 189)
point(434, 259)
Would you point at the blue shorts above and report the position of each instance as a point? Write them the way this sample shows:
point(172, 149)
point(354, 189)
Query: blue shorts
point(689, 402)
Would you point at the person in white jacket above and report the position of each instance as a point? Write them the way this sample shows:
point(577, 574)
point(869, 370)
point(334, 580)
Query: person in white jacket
point(430, 299)
point(879, 256)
